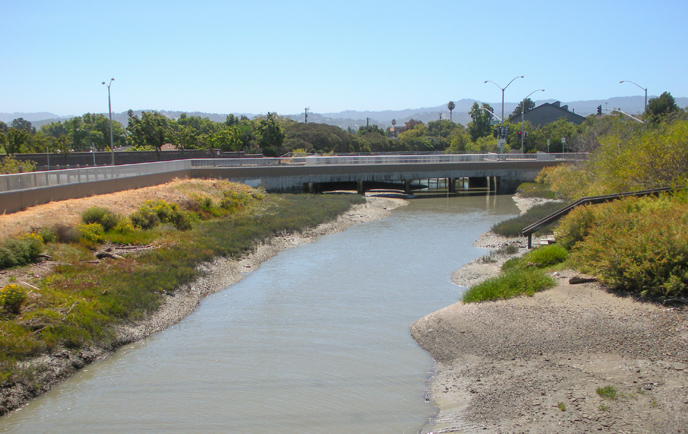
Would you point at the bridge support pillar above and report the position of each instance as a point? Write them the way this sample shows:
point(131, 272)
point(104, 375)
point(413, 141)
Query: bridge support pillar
point(451, 184)
point(361, 187)
point(407, 187)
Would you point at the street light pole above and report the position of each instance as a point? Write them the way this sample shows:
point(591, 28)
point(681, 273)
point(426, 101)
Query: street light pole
point(643, 88)
point(523, 112)
point(503, 89)
point(112, 147)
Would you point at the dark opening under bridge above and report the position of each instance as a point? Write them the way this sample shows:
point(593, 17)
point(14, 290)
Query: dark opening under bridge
point(499, 173)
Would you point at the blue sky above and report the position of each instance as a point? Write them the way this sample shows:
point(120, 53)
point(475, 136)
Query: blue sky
point(281, 56)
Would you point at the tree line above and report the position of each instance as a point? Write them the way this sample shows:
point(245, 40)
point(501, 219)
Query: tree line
point(273, 135)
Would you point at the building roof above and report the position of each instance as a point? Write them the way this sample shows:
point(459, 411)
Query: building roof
point(550, 112)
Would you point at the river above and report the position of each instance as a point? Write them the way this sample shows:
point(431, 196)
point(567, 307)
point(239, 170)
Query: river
point(316, 340)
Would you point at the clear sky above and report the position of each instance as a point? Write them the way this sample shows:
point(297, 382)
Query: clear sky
point(281, 56)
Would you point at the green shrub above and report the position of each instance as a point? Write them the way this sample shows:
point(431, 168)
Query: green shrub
point(144, 218)
point(102, 216)
point(12, 297)
point(643, 252)
point(575, 226)
point(124, 226)
point(11, 165)
point(153, 212)
point(546, 256)
point(92, 233)
point(47, 235)
point(20, 251)
point(181, 221)
point(510, 284)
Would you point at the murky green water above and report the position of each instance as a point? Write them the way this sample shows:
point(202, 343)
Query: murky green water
point(315, 341)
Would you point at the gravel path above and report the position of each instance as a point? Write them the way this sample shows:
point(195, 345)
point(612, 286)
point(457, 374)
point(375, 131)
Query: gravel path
point(534, 364)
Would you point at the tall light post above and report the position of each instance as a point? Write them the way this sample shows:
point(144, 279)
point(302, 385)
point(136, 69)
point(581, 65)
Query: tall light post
point(643, 88)
point(503, 89)
point(112, 147)
point(523, 112)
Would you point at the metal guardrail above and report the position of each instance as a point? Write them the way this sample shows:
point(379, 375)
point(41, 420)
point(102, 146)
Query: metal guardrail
point(24, 181)
point(381, 159)
point(529, 230)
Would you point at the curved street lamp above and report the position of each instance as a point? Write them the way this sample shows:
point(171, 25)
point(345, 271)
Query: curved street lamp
point(112, 148)
point(643, 88)
point(503, 89)
point(523, 111)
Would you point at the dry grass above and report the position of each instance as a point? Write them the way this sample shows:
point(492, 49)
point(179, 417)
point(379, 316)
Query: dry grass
point(68, 212)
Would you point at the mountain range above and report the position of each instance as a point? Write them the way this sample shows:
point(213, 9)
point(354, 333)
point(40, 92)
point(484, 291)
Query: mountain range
point(354, 119)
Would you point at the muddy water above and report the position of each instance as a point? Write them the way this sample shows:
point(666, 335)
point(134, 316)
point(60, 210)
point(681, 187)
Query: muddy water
point(314, 341)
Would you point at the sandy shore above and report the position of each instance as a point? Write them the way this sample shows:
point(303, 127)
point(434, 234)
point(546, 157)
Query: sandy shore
point(533, 364)
point(52, 369)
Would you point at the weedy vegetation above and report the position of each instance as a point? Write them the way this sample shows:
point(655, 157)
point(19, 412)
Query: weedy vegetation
point(523, 275)
point(607, 392)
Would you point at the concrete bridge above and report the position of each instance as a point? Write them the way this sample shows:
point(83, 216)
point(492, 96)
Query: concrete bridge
point(500, 173)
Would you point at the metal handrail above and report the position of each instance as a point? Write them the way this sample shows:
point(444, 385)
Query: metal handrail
point(529, 230)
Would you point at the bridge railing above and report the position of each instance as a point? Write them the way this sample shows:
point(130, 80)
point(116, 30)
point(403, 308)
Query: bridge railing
point(24, 181)
point(343, 160)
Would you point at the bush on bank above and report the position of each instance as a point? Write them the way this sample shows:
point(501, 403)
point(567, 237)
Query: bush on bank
point(82, 301)
point(520, 276)
point(635, 244)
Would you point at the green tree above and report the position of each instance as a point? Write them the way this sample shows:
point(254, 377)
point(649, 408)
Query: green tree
point(23, 124)
point(662, 106)
point(226, 139)
point(561, 135)
point(14, 140)
point(270, 135)
point(480, 124)
point(182, 136)
point(150, 131)
point(483, 145)
point(516, 114)
point(451, 106)
point(458, 140)
point(55, 129)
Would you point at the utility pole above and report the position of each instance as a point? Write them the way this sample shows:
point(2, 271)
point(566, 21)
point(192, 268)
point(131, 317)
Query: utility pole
point(307, 114)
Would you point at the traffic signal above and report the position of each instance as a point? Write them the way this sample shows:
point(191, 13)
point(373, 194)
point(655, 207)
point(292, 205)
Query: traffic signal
point(519, 134)
point(495, 133)
point(599, 110)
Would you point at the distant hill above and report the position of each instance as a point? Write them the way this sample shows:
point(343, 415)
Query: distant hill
point(354, 119)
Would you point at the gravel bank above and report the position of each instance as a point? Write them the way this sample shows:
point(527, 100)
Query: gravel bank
point(52, 369)
point(533, 364)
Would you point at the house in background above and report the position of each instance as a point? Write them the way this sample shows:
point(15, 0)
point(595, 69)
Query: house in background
point(550, 112)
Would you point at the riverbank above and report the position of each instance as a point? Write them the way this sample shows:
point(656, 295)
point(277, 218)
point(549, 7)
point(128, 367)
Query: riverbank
point(534, 364)
point(49, 370)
